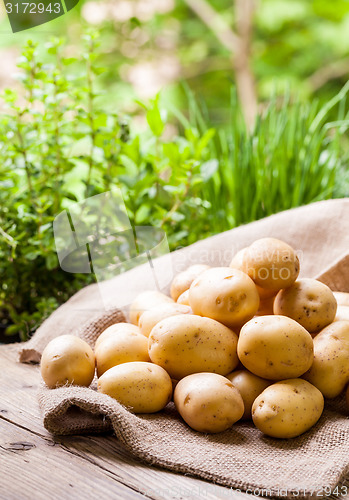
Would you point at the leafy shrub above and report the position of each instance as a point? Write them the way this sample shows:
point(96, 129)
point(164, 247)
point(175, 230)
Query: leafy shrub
point(58, 146)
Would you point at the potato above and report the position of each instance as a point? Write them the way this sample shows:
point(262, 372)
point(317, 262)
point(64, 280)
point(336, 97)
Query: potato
point(183, 280)
point(150, 318)
point(288, 408)
point(249, 386)
point(114, 330)
point(145, 301)
point(266, 307)
point(275, 347)
point(184, 298)
point(224, 294)
point(187, 344)
point(140, 386)
point(342, 298)
point(330, 369)
point(207, 402)
point(271, 263)
point(238, 263)
point(124, 347)
point(67, 360)
point(309, 302)
point(342, 313)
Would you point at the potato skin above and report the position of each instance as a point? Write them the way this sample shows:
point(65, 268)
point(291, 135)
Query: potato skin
point(224, 294)
point(187, 344)
point(330, 369)
point(287, 408)
point(275, 347)
point(140, 386)
point(183, 280)
point(150, 318)
point(271, 263)
point(122, 348)
point(249, 386)
point(342, 313)
point(145, 301)
point(184, 298)
point(67, 359)
point(113, 330)
point(309, 302)
point(208, 402)
point(342, 298)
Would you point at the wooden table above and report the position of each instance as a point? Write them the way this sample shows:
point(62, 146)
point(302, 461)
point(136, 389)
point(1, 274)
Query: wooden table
point(35, 465)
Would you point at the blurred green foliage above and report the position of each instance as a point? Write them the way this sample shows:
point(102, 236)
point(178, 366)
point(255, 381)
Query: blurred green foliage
point(60, 144)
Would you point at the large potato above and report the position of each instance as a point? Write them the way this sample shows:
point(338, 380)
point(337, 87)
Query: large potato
point(275, 347)
point(141, 387)
point(342, 298)
point(67, 360)
point(183, 280)
point(121, 348)
point(208, 402)
point(271, 263)
point(309, 302)
point(145, 301)
point(249, 386)
point(187, 344)
point(150, 318)
point(114, 330)
point(330, 369)
point(288, 408)
point(224, 294)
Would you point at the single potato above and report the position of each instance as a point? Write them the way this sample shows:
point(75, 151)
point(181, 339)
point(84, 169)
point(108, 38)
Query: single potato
point(342, 298)
point(275, 347)
point(249, 386)
point(224, 294)
point(145, 301)
point(288, 408)
point(121, 348)
point(187, 344)
point(67, 359)
point(150, 318)
point(114, 330)
point(183, 280)
point(184, 298)
point(342, 313)
point(141, 387)
point(309, 302)
point(207, 402)
point(271, 263)
point(330, 369)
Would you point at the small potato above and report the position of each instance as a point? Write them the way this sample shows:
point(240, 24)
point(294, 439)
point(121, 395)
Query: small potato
point(187, 344)
point(113, 330)
point(184, 298)
point(207, 402)
point(342, 313)
point(141, 387)
point(121, 348)
point(67, 359)
point(275, 347)
point(150, 318)
point(288, 408)
point(342, 298)
point(238, 263)
point(183, 280)
point(249, 386)
point(145, 301)
point(330, 369)
point(224, 294)
point(271, 263)
point(309, 302)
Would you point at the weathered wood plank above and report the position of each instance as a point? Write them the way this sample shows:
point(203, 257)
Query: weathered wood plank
point(18, 406)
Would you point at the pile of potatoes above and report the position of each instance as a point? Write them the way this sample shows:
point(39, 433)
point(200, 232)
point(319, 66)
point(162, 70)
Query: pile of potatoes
point(248, 341)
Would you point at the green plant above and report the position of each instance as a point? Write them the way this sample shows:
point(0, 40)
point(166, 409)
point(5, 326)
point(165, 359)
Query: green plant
point(59, 145)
